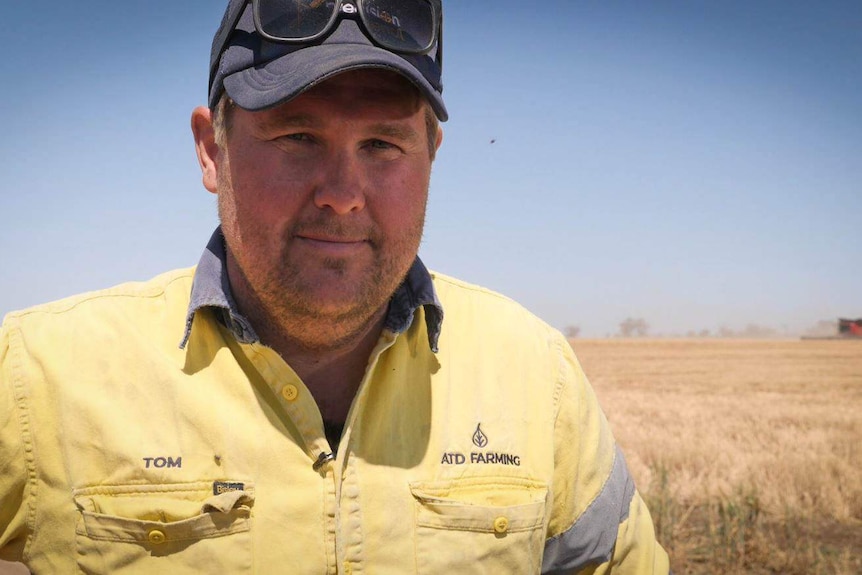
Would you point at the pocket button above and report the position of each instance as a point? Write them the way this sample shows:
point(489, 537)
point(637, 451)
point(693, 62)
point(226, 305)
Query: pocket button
point(156, 537)
point(501, 524)
point(289, 392)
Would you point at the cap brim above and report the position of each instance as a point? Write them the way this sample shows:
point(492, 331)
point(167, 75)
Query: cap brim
point(284, 78)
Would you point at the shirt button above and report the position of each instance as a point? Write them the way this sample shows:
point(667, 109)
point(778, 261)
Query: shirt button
point(348, 569)
point(501, 524)
point(289, 392)
point(156, 537)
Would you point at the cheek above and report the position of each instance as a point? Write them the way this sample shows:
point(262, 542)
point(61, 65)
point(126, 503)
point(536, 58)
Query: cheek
point(403, 207)
point(415, 186)
point(260, 192)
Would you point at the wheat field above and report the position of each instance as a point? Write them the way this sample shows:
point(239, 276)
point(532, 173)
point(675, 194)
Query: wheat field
point(748, 452)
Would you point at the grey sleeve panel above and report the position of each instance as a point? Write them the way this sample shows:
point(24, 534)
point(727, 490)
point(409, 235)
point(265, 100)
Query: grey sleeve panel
point(593, 536)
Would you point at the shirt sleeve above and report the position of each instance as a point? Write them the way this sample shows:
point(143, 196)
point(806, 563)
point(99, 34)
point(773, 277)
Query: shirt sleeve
point(13, 459)
point(599, 523)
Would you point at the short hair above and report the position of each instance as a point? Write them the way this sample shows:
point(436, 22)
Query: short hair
point(221, 118)
point(223, 113)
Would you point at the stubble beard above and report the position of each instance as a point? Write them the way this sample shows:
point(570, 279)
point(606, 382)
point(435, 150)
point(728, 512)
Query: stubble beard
point(285, 298)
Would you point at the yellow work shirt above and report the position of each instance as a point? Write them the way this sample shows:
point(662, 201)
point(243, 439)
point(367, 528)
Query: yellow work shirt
point(121, 452)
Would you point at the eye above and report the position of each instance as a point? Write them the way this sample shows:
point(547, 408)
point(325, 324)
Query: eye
point(382, 145)
point(298, 137)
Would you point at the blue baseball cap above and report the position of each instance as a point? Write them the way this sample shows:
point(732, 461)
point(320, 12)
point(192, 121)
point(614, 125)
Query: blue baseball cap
point(258, 74)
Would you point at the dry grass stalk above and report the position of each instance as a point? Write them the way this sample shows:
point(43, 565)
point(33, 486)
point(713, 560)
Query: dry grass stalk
point(748, 451)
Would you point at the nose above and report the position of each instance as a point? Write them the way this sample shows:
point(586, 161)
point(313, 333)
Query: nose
point(342, 185)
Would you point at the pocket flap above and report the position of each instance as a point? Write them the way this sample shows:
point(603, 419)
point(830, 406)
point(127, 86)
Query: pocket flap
point(481, 504)
point(226, 501)
point(157, 514)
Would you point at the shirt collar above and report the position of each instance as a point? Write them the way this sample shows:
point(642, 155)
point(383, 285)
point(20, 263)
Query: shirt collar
point(211, 289)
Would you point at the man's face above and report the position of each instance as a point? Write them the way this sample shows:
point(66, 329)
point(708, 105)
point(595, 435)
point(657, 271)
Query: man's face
point(322, 199)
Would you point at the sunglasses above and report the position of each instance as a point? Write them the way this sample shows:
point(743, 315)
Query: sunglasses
point(400, 26)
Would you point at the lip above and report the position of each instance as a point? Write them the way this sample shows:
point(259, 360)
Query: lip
point(332, 245)
point(329, 238)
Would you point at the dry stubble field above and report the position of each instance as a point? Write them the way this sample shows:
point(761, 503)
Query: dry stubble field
point(749, 452)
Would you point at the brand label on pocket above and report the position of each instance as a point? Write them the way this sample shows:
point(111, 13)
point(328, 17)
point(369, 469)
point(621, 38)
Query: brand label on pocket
point(220, 487)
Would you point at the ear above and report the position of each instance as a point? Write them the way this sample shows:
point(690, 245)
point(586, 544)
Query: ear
point(439, 139)
point(205, 146)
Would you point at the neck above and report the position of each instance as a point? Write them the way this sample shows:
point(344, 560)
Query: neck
point(318, 346)
point(330, 355)
point(332, 371)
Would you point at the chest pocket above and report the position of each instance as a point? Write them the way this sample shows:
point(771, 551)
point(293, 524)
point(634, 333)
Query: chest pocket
point(174, 528)
point(479, 525)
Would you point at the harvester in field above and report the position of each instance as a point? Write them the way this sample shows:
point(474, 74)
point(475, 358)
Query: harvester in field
point(850, 328)
point(846, 329)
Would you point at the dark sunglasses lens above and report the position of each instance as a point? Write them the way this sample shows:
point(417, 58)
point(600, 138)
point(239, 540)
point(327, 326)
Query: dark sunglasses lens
point(294, 19)
point(404, 25)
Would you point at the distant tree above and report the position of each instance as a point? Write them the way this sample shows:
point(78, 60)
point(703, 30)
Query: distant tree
point(704, 333)
point(572, 331)
point(725, 331)
point(634, 327)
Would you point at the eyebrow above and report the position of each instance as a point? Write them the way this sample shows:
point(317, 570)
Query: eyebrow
point(286, 120)
point(397, 130)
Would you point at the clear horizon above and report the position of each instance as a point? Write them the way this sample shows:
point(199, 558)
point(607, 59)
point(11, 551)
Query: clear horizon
point(693, 164)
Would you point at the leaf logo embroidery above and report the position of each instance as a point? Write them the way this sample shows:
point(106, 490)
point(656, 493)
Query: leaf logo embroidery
point(479, 438)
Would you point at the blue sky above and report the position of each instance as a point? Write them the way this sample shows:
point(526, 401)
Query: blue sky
point(697, 164)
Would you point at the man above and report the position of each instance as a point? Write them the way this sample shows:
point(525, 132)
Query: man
point(318, 415)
